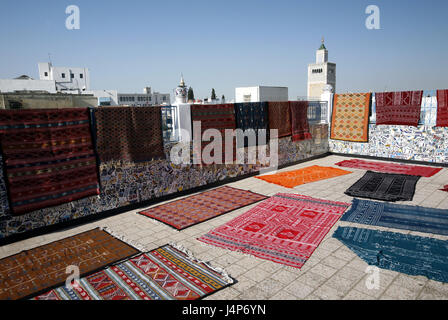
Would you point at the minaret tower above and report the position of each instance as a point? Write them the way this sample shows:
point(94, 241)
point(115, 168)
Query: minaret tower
point(321, 74)
point(181, 91)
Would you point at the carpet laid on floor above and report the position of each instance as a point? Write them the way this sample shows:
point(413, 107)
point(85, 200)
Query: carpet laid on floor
point(186, 212)
point(285, 228)
point(33, 271)
point(49, 158)
point(165, 273)
point(388, 167)
point(384, 186)
point(413, 255)
point(398, 216)
point(291, 179)
point(350, 117)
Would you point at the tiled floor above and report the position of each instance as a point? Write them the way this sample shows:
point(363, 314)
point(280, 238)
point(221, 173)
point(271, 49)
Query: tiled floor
point(332, 272)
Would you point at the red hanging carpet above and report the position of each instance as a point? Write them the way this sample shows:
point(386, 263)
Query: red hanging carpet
point(285, 228)
point(48, 156)
point(197, 208)
point(442, 108)
point(299, 120)
point(388, 167)
point(398, 108)
point(280, 117)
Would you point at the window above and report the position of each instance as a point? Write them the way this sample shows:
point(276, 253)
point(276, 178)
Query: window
point(81, 76)
point(164, 98)
point(63, 75)
point(46, 74)
point(247, 97)
point(72, 75)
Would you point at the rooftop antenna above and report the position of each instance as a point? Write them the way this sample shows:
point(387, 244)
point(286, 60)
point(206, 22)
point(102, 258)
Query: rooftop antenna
point(49, 57)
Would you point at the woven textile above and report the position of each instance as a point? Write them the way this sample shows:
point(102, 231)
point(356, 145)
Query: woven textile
point(215, 116)
point(129, 133)
point(398, 108)
point(442, 108)
point(37, 270)
point(161, 274)
point(291, 179)
point(388, 167)
point(398, 216)
point(384, 186)
point(285, 228)
point(413, 255)
point(48, 157)
point(197, 208)
point(299, 120)
point(280, 117)
point(252, 115)
point(350, 117)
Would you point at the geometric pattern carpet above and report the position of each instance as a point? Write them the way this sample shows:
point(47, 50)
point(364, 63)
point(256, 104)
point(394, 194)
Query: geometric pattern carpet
point(286, 228)
point(161, 274)
point(186, 212)
point(291, 179)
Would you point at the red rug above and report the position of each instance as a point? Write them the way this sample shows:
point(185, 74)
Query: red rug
point(192, 210)
point(285, 228)
point(398, 108)
point(388, 167)
point(48, 156)
point(299, 120)
point(280, 117)
point(442, 108)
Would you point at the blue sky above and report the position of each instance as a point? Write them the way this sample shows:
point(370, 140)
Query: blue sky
point(128, 45)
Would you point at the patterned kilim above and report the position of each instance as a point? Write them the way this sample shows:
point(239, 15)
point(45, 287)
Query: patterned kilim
point(161, 274)
point(285, 228)
point(280, 117)
point(252, 116)
point(219, 117)
point(398, 108)
point(129, 133)
point(37, 270)
point(398, 216)
point(388, 167)
point(413, 255)
point(291, 179)
point(299, 120)
point(49, 157)
point(442, 108)
point(350, 118)
point(384, 186)
point(197, 208)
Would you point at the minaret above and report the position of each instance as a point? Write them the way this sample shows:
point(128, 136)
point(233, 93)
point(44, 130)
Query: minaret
point(181, 91)
point(321, 74)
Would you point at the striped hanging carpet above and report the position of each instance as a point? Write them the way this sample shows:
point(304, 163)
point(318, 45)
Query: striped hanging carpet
point(294, 178)
point(129, 133)
point(214, 116)
point(49, 157)
point(350, 117)
point(384, 186)
point(252, 116)
point(280, 117)
point(398, 108)
point(37, 270)
point(398, 216)
point(186, 212)
point(413, 255)
point(388, 167)
point(286, 228)
point(299, 120)
point(165, 273)
point(442, 108)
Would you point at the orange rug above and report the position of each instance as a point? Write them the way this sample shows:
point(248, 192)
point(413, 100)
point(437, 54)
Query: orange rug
point(291, 179)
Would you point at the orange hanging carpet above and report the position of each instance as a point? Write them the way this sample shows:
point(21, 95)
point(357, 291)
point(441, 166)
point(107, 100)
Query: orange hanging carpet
point(291, 179)
point(350, 118)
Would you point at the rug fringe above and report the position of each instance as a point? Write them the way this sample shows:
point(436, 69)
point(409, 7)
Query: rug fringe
point(190, 256)
point(140, 247)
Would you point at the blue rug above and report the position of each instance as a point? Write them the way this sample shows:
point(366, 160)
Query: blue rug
point(398, 216)
point(399, 252)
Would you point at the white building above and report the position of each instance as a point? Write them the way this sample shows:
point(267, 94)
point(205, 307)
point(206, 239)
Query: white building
point(26, 83)
point(142, 99)
point(67, 79)
point(261, 93)
point(321, 74)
